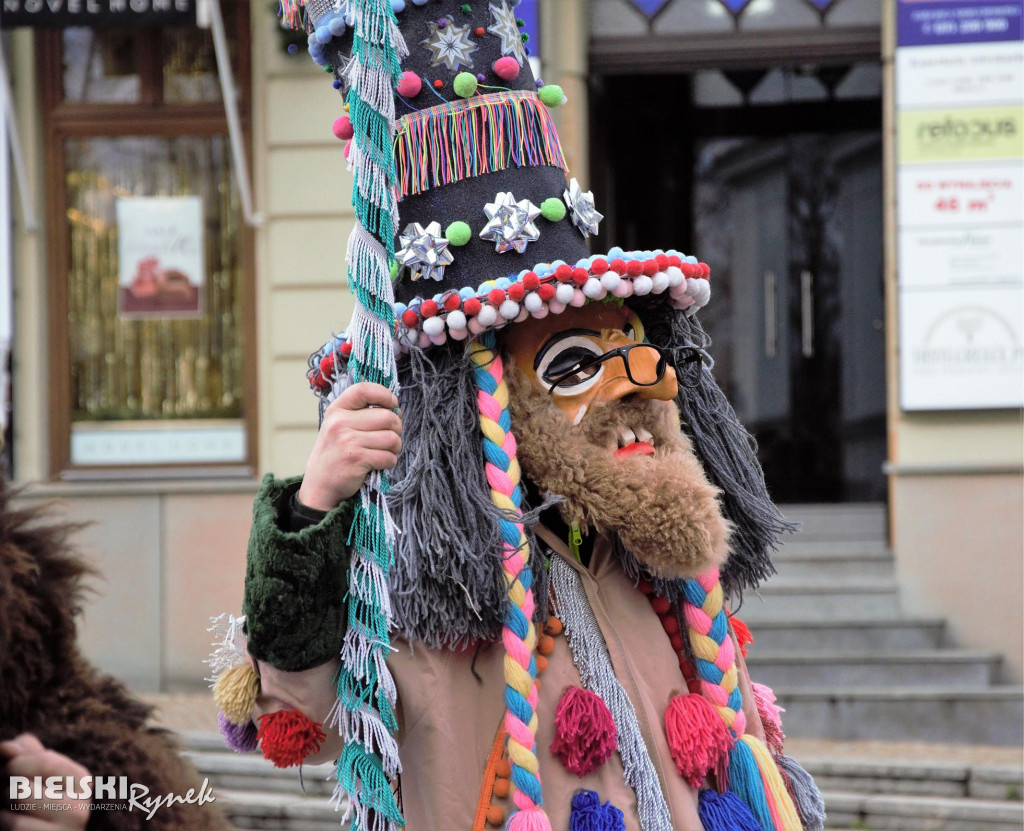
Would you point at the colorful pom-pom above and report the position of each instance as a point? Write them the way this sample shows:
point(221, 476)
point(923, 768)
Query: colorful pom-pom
point(506, 68)
point(287, 737)
point(241, 738)
point(588, 814)
point(235, 692)
point(458, 233)
point(410, 85)
point(697, 737)
point(343, 128)
point(585, 734)
point(465, 84)
point(551, 95)
point(553, 209)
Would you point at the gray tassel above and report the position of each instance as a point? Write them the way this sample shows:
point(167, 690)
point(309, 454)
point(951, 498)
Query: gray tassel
point(809, 802)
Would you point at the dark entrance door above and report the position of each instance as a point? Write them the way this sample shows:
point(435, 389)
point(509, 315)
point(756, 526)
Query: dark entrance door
point(786, 207)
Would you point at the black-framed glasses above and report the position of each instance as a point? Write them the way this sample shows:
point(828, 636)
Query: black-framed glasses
point(640, 372)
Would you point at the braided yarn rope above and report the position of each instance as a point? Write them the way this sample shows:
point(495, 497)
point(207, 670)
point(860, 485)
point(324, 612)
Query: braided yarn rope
point(752, 772)
point(365, 710)
point(518, 632)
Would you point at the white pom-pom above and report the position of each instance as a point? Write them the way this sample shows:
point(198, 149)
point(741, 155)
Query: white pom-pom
point(488, 316)
point(433, 326)
point(675, 275)
point(610, 280)
point(593, 289)
point(660, 282)
point(509, 309)
point(564, 292)
point(683, 301)
point(703, 294)
point(642, 285)
point(456, 321)
point(533, 302)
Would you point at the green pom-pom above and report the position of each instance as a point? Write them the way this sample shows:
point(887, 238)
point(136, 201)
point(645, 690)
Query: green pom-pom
point(458, 233)
point(553, 209)
point(465, 84)
point(551, 95)
point(465, 8)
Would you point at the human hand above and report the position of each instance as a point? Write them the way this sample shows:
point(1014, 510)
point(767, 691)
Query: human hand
point(26, 756)
point(359, 434)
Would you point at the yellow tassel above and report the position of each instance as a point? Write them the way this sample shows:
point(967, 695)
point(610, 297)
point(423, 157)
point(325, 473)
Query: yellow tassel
point(774, 784)
point(235, 693)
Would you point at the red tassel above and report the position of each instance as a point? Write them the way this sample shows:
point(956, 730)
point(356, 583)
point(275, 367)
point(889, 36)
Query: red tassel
point(585, 734)
point(287, 737)
point(697, 737)
point(742, 633)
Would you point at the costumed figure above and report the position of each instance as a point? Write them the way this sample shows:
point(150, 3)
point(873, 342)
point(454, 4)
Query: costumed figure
point(526, 622)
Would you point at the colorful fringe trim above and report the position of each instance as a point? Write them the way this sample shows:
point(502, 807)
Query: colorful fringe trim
point(468, 138)
point(519, 634)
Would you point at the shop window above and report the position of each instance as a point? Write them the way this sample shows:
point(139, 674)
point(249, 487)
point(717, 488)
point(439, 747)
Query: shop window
point(149, 256)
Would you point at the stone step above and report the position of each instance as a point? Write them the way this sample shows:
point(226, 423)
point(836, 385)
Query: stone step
point(917, 778)
point(921, 813)
point(851, 635)
point(250, 771)
point(847, 521)
point(834, 561)
point(993, 716)
point(930, 668)
point(813, 600)
point(246, 809)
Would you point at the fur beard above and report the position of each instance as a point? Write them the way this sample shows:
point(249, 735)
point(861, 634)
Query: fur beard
point(662, 506)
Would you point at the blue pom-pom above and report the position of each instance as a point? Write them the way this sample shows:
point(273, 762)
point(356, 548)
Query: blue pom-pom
point(419, 2)
point(502, 283)
point(337, 26)
point(398, 6)
point(292, 48)
point(311, 39)
point(588, 814)
point(616, 253)
point(323, 34)
point(725, 812)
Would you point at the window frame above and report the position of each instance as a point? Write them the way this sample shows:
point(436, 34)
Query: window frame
point(148, 117)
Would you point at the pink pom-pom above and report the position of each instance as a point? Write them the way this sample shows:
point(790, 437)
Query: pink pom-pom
point(585, 734)
point(348, 149)
point(697, 737)
point(529, 819)
point(343, 128)
point(410, 85)
point(506, 68)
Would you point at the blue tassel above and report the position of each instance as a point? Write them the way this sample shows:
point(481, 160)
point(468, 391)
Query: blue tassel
point(725, 812)
point(809, 802)
point(745, 782)
point(588, 814)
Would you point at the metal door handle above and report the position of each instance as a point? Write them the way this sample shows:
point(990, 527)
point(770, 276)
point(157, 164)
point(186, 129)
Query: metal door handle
point(807, 313)
point(771, 314)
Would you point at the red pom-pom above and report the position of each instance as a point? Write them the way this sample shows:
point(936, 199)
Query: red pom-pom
point(670, 624)
point(662, 261)
point(472, 306)
point(634, 268)
point(343, 128)
point(428, 308)
point(563, 273)
point(496, 297)
point(517, 291)
point(438, 84)
point(675, 260)
point(705, 270)
point(697, 737)
point(689, 270)
point(479, 31)
point(346, 348)
point(585, 734)
point(531, 281)
point(580, 276)
point(506, 68)
point(645, 586)
point(677, 642)
point(660, 605)
point(742, 633)
point(650, 267)
point(618, 266)
point(410, 318)
point(599, 266)
point(287, 737)
point(546, 291)
point(452, 301)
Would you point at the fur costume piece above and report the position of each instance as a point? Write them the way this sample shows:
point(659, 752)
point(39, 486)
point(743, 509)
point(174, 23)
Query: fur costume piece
point(50, 690)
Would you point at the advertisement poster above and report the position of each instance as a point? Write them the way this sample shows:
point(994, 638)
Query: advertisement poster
point(960, 203)
point(160, 257)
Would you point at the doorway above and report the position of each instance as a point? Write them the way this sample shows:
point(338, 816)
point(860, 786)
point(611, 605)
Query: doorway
point(784, 201)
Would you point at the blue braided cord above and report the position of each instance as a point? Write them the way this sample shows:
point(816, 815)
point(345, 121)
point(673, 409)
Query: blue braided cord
point(745, 781)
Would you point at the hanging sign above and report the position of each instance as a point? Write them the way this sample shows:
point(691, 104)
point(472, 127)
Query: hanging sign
point(960, 203)
point(160, 257)
point(119, 13)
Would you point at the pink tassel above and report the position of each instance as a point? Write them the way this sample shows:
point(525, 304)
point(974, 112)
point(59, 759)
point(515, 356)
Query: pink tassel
point(697, 737)
point(585, 734)
point(771, 717)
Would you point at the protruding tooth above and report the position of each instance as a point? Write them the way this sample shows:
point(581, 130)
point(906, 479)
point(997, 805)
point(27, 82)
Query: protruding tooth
point(643, 435)
point(626, 437)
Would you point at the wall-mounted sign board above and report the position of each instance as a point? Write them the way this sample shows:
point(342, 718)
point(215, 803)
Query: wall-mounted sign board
point(119, 13)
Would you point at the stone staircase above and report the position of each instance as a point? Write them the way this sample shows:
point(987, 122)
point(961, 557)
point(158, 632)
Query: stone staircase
point(831, 641)
point(912, 795)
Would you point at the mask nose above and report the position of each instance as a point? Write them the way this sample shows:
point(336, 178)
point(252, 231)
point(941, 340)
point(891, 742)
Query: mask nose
point(643, 364)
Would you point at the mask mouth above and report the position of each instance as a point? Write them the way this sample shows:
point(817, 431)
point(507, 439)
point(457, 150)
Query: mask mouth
point(634, 441)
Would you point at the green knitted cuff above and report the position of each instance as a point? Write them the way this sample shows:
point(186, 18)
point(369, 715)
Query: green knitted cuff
point(295, 582)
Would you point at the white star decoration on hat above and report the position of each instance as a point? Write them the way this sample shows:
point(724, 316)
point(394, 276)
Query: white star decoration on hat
point(584, 214)
point(505, 27)
point(511, 223)
point(450, 45)
point(424, 251)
